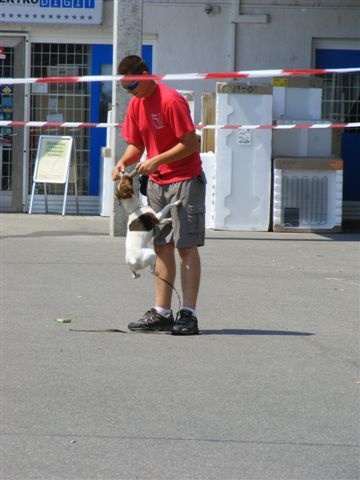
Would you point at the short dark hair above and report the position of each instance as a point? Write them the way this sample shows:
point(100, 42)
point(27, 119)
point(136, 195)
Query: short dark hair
point(132, 65)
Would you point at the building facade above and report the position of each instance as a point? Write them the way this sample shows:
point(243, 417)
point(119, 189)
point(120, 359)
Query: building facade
point(74, 37)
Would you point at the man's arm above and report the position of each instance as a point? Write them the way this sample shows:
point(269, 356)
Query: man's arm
point(187, 145)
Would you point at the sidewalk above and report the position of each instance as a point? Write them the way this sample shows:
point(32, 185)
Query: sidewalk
point(269, 390)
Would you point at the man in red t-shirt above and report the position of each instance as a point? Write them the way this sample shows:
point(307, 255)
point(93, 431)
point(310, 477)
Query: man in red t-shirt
point(158, 121)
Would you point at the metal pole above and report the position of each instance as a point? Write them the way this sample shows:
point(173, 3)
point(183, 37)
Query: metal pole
point(127, 39)
point(25, 183)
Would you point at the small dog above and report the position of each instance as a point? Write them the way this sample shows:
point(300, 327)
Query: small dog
point(140, 227)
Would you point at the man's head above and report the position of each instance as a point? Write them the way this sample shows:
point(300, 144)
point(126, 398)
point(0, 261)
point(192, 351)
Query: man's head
point(135, 65)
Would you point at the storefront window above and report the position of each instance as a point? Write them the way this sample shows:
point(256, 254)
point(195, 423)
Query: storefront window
point(341, 97)
point(61, 102)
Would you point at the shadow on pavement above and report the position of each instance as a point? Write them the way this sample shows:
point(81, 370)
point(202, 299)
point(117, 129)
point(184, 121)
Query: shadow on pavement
point(224, 331)
point(321, 237)
point(241, 331)
point(56, 233)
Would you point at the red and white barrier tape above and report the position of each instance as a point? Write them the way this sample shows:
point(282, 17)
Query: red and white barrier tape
point(9, 123)
point(183, 76)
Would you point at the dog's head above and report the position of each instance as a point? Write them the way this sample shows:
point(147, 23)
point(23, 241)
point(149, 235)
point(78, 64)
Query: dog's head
point(125, 188)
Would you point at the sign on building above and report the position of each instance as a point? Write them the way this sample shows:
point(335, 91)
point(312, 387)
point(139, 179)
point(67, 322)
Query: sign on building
point(85, 12)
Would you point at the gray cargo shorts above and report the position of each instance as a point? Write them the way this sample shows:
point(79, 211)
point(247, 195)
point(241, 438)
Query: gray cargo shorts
point(188, 219)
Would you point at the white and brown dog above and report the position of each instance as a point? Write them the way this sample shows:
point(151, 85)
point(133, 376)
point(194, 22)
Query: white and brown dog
point(142, 219)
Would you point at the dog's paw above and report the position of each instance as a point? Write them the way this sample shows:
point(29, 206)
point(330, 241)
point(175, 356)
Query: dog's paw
point(136, 275)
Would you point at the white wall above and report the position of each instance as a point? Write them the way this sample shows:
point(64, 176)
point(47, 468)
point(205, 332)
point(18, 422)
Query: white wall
point(186, 39)
point(189, 40)
point(286, 41)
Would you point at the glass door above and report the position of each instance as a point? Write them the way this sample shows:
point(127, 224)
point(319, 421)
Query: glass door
point(101, 97)
point(12, 102)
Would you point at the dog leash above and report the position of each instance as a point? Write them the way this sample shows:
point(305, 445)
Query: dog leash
point(170, 285)
point(132, 174)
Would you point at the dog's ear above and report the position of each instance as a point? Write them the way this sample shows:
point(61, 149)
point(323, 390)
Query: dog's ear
point(125, 188)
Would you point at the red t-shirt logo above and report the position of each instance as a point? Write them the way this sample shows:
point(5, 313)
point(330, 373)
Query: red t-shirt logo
point(157, 121)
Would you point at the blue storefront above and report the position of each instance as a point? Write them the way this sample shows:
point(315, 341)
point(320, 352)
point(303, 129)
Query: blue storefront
point(101, 64)
point(345, 101)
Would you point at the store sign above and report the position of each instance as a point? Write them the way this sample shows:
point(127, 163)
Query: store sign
point(84, 12)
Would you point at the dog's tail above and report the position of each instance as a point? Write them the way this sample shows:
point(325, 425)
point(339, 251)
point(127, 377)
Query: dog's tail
point(170, 285)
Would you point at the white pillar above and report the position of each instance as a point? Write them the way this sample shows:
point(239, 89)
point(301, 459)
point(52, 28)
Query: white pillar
point(127, 40)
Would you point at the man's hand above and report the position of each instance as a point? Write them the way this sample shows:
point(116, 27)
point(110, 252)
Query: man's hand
point(117, 171)
point(147, 167)
point(131, 155)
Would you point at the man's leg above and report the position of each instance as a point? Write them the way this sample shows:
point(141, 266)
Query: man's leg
point(160, 317)
point(190, 275)
point(186, 322)
point(166, 269)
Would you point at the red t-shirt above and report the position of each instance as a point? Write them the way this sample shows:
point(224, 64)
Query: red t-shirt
point(157, 123)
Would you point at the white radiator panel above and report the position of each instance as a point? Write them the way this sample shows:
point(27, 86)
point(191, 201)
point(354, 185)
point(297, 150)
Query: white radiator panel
point(307, 194)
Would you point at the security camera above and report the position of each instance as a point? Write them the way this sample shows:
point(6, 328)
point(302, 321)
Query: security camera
point(212, 9)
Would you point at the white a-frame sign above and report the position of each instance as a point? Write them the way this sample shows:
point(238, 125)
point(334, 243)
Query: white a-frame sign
point(55, 163)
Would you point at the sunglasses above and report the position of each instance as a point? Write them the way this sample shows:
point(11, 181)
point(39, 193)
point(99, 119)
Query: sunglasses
point(131, 86)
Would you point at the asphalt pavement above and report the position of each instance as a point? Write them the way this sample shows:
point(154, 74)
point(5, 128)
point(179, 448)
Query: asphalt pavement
point(268, 391)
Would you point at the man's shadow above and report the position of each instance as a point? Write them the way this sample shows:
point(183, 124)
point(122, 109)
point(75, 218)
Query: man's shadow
point(242, 331)
point(223, 331)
